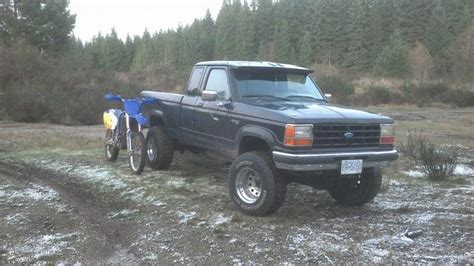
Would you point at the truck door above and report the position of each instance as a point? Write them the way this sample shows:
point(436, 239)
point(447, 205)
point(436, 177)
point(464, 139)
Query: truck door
point(187, 118)
point(211, 116)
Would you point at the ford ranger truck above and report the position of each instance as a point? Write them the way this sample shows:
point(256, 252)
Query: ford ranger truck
point(276, 126)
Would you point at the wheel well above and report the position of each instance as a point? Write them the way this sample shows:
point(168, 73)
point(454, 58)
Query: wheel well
point(156, 121)
point(251, 143)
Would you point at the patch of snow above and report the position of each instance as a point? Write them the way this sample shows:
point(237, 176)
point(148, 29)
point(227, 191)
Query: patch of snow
point(122, 214)
point(424, 218)
point(184, 217)
point(219, 219)
point(36, 193)
point(16, 219)
point(158, 203)
point(414, 173)
point(40, 247)
point(462, 169)
point(176, 183)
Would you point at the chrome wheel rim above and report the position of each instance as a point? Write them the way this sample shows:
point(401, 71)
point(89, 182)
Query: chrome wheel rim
point(151, 149)
point(248, 185)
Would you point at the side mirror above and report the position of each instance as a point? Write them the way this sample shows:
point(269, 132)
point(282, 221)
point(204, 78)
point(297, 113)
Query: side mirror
point(209, 95)
point(328, 96)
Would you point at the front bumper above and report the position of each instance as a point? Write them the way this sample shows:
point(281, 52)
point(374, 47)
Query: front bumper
point(331, 160)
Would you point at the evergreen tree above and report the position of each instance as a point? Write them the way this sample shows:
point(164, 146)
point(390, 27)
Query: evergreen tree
point(394, 60)
point(305, 57)
point(45, 24)
point(359, 42)
point(437, 34)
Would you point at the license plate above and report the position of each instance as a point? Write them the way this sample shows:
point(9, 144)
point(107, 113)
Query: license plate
point(351, 167)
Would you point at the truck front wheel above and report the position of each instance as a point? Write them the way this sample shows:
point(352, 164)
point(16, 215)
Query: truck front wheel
point(256, 187)
point(159, 148)
point(358, 190)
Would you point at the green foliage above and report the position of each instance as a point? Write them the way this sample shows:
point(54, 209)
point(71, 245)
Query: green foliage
point(340, 89)
point(376, 95)
point(305, 57)
point(438, 162)
point(394, 60)
point(45, 24)
point(39, 57)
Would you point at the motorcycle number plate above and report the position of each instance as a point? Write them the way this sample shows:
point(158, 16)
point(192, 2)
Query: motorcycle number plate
point(351, 167)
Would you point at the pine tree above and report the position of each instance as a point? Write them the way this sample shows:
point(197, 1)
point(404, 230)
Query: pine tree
point(358, 52)
point(305, 57)
point(394, 60)
point(437, 34)
point(247, 34)
point(44, 24)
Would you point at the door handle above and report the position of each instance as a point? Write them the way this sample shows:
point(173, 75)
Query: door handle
point(220, 104)
point(200, 105)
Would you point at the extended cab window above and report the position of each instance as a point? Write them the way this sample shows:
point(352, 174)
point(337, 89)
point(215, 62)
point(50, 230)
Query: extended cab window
point(217, 81)
point(193, 86)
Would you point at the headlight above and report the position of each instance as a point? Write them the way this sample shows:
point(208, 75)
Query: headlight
point(298, 135)
point(387, 133)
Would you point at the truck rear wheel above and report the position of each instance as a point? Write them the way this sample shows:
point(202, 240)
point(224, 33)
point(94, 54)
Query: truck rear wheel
point(159, 148)
point(357, 191)
point(256, 187)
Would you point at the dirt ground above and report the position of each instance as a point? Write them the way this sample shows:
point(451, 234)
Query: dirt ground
point(61, 202)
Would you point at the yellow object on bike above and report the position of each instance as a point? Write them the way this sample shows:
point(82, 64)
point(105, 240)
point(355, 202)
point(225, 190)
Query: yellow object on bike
point(110, 120)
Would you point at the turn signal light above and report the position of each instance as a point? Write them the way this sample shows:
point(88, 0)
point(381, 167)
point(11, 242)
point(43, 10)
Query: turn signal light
point(298, 135)
point(387, 133)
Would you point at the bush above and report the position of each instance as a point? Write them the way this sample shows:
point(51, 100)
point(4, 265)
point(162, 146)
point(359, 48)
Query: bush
point(375, 95)
point(437, 163)
point(424, 94)
point(340, 89)
point(458, 97)
point(413, 141)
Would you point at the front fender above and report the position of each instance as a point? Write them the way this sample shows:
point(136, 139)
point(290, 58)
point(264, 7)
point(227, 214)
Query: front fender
point(256, 131)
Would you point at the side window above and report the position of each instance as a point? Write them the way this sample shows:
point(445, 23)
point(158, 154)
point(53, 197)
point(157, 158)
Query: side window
point(217, 81)
point(193, 86)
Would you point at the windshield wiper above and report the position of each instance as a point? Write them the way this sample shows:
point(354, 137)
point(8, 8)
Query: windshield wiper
point(266, 96)
point(305, 96)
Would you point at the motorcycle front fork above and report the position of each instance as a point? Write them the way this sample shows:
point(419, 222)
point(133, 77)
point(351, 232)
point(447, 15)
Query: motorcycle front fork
point(130, 133)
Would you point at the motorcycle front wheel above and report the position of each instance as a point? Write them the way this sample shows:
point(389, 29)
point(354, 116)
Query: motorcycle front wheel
point(137, 157)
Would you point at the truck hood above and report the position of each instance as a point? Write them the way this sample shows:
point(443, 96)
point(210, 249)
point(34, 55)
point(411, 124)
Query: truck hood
point(313, 112)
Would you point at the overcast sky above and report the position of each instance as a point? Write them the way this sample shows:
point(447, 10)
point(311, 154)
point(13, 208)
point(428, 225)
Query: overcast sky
point(132, 17)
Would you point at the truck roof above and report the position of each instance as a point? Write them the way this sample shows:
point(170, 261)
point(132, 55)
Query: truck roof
point(262, 64)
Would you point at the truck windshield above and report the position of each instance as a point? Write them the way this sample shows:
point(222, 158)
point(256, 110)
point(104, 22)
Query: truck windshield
point(276, 84)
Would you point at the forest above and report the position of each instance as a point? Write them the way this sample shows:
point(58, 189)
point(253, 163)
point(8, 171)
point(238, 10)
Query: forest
point(365, 52)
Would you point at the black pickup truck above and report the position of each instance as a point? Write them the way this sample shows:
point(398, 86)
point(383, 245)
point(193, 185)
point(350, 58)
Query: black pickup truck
point(274, 124)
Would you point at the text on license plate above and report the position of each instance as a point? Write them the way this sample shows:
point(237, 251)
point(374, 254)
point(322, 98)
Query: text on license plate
point(350, 167)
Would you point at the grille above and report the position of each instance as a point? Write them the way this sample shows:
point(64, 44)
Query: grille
point(332, 135)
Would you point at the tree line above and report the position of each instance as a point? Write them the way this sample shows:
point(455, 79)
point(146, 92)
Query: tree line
point(46, 73)
point(347, 34)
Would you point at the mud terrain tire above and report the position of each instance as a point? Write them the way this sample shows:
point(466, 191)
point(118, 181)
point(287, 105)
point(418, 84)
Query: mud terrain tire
point(256, 187)
point(160, 148)
point(347, 191)
point(111, 152)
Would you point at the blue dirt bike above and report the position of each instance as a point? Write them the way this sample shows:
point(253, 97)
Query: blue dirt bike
point(124, 131)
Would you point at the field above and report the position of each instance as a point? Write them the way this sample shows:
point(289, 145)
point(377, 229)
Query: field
point(61, 202)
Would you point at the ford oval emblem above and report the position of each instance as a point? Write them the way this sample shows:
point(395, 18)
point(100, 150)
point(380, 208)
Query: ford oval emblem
point(348, 135)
